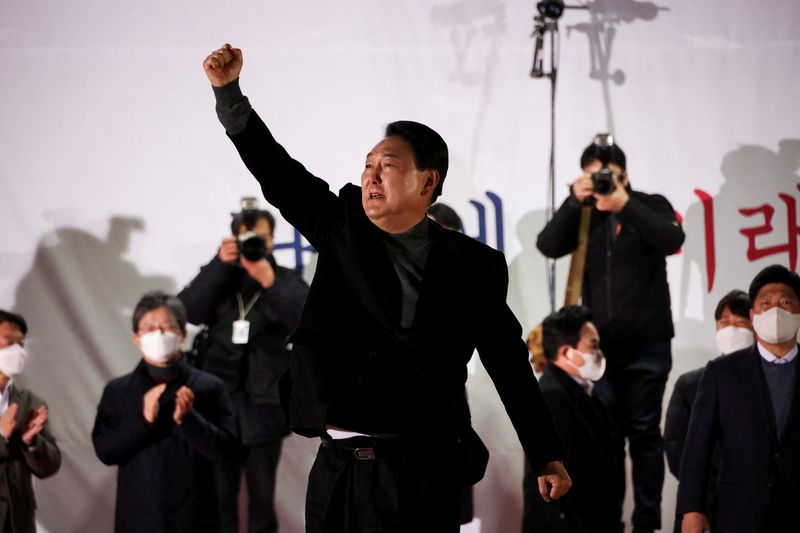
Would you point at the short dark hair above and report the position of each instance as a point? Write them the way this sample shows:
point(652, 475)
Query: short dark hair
point(563, 327)
point(737, 301)
point(14, 318)
point(156, 299)
point(237, 219)
point(604, 154)
point(446, 216)
point(430, 150)
point(774, 274)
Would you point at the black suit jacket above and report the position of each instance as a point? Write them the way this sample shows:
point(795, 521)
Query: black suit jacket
point(352, 365)
point(593, 456)
point(165, 481)
point(759, 476)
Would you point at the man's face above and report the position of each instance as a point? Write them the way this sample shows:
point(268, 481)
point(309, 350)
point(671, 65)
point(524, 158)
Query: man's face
point(775, 294)
point(263, 230)
point(158, 319)
point(391, 184)
point(728, 318)
point(589, 342)
point(10, 334)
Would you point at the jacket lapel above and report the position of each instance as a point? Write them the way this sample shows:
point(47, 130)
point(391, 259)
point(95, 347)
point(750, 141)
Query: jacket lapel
point(752, 376)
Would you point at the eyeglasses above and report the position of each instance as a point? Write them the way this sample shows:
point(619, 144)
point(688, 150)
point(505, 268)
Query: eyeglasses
point(151, 327)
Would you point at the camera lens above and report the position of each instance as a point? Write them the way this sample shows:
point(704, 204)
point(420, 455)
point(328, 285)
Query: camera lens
point(253, 248)
point(603, 181)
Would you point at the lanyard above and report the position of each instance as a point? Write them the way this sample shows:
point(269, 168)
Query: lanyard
point(244, 310)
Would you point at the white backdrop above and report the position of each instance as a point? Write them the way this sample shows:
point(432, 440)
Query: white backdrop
point(116, 177)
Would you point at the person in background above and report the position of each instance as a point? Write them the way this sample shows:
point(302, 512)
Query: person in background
point(734, 332)
point(27, 446)
point(164, 425)
point(250, 305)
point(446, 216)
point(592, 443)
point(625, 285)
point(748, 405)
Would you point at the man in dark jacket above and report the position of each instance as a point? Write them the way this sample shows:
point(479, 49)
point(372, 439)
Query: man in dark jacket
point(164, 424)
point(749, 403)
point(592, 444)
point(230, 291)
point(625, 286)
point(734, 332)
point(379, 359)
point(27, 448)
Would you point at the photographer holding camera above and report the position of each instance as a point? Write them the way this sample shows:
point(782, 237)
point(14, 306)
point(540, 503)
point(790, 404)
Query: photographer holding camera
point(250, 305)
point(625, 286)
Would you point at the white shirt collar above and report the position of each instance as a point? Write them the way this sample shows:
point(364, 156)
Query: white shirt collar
point(5, 396)
point(769, 358)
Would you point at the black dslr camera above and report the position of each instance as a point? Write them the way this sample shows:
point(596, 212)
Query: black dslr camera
point(252, 247)
point(603, 179)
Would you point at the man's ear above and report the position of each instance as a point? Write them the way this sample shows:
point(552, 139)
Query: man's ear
point(431, 182)
point(563, 350)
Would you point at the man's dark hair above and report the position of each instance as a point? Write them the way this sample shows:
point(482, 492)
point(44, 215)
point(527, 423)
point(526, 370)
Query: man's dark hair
point(238, 219)
point(604, 154)
point(563, 327)
point(14, 318)
point(430, 150)
point(155, 299)
point(446, 216)
point(774, 274)
point(737, 301)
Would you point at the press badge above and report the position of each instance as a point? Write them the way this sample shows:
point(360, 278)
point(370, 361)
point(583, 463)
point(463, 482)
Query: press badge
point(241, 332)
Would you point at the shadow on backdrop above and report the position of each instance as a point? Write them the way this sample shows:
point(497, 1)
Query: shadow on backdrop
point(605, 17)
point(747, 225)
point(77, 299)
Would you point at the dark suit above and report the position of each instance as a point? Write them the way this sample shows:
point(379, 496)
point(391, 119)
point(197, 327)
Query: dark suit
point(593, 457)
point(353, 366)
point(19, 461)
point(759, 476)
point(165, 481)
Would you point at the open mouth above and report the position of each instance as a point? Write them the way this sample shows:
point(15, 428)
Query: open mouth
point(375, 196)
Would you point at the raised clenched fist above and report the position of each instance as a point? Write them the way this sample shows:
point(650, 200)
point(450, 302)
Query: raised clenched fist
point(223, 66)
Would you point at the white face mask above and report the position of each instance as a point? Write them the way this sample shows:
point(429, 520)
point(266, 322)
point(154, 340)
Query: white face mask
point(160, 347)
point(733, 338)
point(594, 365)
point(12, 360)
point(776, 325)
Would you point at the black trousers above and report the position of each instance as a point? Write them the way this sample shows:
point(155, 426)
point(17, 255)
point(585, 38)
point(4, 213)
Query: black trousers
point(638, 376)
point(259, 464)
point(370, 485)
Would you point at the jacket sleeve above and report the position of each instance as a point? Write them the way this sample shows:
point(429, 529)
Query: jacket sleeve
point(201, 295)
point(44, 457)
point(505, 357)
point(560, 235)
point(676, 426)
point(304, 200)
point(654, 218)
point(700, 441)
point(117, 436)
point(212, 432)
